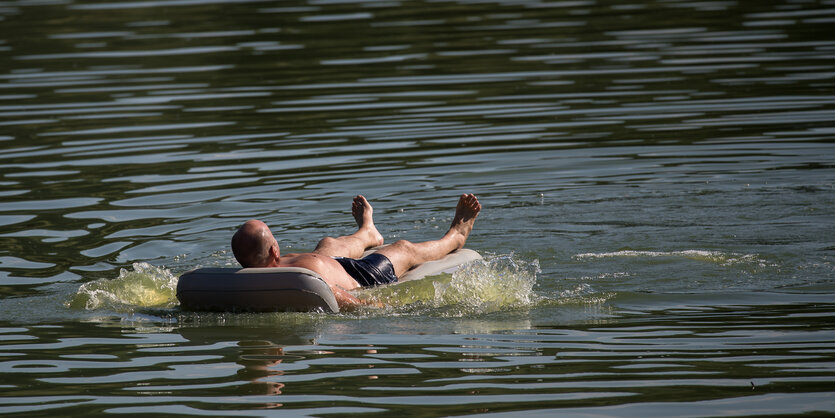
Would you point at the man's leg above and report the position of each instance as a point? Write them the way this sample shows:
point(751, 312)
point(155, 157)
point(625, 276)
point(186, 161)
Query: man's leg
point(353, 245)
point(404, 254)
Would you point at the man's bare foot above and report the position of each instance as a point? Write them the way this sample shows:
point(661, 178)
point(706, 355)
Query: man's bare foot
point(465, 213)
point(363, 214)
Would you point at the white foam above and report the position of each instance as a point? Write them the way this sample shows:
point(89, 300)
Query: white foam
point(717, 257)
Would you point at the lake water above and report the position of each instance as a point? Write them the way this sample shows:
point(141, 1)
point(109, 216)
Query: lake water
point(658, 183)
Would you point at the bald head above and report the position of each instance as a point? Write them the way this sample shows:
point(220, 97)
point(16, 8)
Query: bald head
point(251, 244)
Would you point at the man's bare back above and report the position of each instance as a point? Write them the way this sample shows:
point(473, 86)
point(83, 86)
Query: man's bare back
point(255, 246)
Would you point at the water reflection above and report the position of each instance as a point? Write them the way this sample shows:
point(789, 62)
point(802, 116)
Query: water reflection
point(290, 362)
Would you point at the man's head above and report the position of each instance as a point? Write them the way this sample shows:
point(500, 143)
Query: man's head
point(254, 245)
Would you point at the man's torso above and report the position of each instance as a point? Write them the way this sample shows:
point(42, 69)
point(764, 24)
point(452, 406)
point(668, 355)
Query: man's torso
point(330, 270)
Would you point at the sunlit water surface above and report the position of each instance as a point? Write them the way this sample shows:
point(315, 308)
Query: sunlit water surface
point(658, 182)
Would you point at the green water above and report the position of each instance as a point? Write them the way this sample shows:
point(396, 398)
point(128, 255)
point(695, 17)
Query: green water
point(657, 179)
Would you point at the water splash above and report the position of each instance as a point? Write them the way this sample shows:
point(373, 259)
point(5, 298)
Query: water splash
point(143, 286)
point(488, 285)
point(495, 283)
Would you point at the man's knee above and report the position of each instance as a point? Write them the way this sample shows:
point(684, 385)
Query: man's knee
point(328, 242)
point(404, 246)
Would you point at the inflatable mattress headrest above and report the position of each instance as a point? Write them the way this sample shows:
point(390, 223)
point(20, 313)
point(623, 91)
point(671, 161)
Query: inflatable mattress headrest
point(255, 289)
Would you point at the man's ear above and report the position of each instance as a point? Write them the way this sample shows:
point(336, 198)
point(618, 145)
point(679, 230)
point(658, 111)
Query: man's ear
point(274, 252)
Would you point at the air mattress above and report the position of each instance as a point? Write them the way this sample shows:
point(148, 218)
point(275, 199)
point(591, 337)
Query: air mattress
point(282, 288)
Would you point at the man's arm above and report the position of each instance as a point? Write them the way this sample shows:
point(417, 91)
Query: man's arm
point(349, 302)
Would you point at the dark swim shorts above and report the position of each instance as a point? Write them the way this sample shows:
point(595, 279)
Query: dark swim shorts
point(372, 270)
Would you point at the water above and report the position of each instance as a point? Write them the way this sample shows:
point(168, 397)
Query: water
point(657, 178)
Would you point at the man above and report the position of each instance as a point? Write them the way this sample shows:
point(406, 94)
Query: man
point(335, 259)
